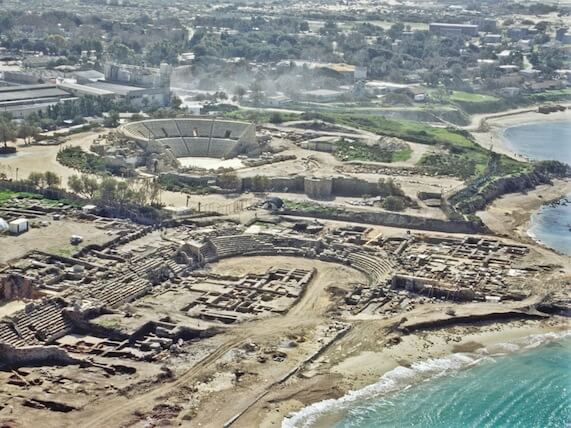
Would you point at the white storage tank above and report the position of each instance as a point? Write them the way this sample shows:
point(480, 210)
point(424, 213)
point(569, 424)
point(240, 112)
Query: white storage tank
point(3, 226)
point(18, 226)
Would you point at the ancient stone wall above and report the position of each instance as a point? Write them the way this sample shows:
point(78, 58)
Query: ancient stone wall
point(318, 187)
point(17, 287)
point(34, 355)
point(351, 186)
point(431, 287)
point(390, 219)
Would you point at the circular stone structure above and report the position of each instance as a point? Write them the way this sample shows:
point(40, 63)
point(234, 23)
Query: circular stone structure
point(194, 137)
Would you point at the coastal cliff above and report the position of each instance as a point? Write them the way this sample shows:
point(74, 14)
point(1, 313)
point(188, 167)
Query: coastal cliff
point(476, 196)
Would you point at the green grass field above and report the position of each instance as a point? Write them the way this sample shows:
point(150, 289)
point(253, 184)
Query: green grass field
point(6, 195)
point(457, 142)
point(362, 152)
point(468, 97)
point(259, 116)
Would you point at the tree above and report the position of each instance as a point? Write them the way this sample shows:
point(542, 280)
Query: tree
point(396, 30)
point(176, 102)
point(83, 185)
point(51, 179)
point(37, 179)
point(44, 179)
point(228, 180)
point(329, 28)
point(28, 132)
point(112, 119)
point(74, 183)
point(257, 93)
point(387, 187)
point(276, 117)
point(163, 51)
point(7, 130)
point(120, 52)
point(107, 191)
point(89, 185)
point(394, 203)
point(260, 183)
point(239, 91)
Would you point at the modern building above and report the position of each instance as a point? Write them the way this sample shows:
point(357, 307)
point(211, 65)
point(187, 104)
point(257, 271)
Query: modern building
point(21, 101)
point(145, 77)
point(323, 95)
point(133, 95)
point(492, 39)
point(453, 29)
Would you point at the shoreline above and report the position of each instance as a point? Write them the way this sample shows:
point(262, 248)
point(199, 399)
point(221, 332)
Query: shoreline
point(532, 223)
point(362, 373)
point(496, 125)
point(511, 214)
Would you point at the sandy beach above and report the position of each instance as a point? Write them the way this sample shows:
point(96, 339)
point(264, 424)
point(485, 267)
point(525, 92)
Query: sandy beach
point(510, 215)
point(336, 374)
point(488, 130)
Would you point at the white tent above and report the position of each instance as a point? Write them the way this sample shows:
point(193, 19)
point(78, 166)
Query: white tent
point(3, 225)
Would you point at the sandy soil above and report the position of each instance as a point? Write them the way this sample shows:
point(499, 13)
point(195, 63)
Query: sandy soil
point(303, 319)
point(363, 356)
point(510, 215)
point(53, 238)
point(43, 158)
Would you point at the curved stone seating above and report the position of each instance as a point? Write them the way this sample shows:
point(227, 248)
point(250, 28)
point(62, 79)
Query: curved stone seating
point(200, 137)
point(229, 246)
point(176, 146)
point(40, 323)
point(377, 269)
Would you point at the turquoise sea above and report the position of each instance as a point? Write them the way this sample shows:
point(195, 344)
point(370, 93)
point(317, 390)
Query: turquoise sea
point(551, 225)
point(525, 384)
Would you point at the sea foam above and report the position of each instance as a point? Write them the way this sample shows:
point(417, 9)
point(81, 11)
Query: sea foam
point(401, 378)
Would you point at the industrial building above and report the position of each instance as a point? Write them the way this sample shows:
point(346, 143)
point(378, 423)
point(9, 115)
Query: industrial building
point(451, 29)
point(21, 101)
point(133, 95)
point(137, 86)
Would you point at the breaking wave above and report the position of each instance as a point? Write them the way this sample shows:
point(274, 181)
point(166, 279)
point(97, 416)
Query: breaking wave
point(402, 378)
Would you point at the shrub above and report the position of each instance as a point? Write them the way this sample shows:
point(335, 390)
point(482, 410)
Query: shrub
point(276, 117)
point(394, 203)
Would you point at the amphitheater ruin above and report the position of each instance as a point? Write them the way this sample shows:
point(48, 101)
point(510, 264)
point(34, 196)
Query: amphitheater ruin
point(159, 321)
point(215, 296)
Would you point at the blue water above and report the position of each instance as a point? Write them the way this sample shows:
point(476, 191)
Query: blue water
point(531, 389)
point(551, 225)
point(511, 386)
point(541, 141)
